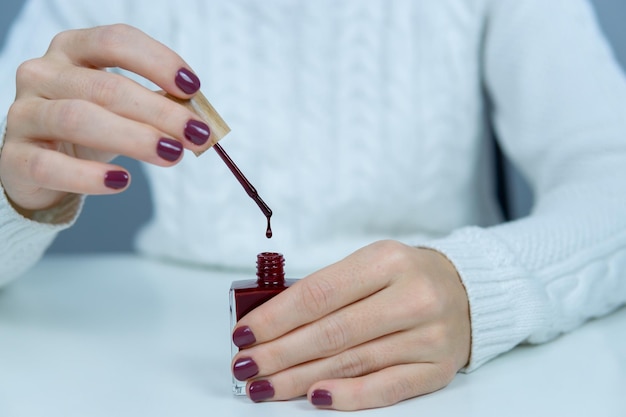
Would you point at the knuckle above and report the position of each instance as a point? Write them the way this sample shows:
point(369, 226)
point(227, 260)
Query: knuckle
point(434, 337)
point(389, 247)
point(61, 39)
point(396, 391)
point(428, 304)
point(422, 295)
point(350, 364)
point(317, 297)
point(65, 115)
point(168, 112)
point(27, 72)
point(110, 37)
point(37, 168)
point(333, 337)
point(393, 255)
point(17, 114)
point(105, 88)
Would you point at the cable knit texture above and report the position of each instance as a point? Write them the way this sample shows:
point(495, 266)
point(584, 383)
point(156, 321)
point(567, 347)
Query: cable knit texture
point(363, 120)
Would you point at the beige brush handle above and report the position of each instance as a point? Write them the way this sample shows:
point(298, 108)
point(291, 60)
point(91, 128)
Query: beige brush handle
point(201, 106)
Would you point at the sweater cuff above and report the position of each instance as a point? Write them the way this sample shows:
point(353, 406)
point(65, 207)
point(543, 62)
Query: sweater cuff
point(24, 241)
point(506, 304)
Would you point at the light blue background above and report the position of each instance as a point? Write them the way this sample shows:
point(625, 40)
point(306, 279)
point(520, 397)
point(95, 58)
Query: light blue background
point(109, 223)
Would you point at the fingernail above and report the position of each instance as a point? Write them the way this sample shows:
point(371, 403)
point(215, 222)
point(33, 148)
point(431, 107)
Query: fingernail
point(243, 336)
point(261, 390)
point(321, 398)
point(187, 81)
point(169, 149)
point(245, 368)
point(197, 132)
point(116, 179)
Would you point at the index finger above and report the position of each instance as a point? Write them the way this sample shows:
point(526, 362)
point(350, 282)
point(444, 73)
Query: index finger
point(321, 293)
point(126, 47)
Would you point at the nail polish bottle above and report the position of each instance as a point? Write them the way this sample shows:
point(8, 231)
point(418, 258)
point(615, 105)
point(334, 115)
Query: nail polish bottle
point(246, 295)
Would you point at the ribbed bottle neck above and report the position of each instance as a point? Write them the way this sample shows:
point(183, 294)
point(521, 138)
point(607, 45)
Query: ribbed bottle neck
point(270, 268)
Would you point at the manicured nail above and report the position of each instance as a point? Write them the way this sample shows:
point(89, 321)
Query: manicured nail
point(187, 81)
point(197, 132)
point(261, 390)
point(169, 149)
point(116, 179)
point(321, 398)
point(243, 337)
point(245, 368)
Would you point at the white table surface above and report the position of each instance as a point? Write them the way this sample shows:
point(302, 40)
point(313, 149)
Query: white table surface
point(121, 336)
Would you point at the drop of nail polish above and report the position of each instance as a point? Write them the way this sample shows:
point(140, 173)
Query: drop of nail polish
point(268, 231)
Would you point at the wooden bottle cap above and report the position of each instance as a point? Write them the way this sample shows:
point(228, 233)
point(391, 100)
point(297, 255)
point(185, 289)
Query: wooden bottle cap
point(201, 106)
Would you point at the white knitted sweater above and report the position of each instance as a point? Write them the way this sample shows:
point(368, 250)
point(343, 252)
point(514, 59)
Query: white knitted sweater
point(362, 120)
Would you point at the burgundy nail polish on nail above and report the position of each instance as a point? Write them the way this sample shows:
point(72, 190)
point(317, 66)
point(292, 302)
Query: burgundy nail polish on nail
point(116, 179)
point(243, 337)
point(321, 398)
point(197, 132)
point(169, 149)
point(261, 390)
point(187, 81)
point(245, 368)
point(246, 295)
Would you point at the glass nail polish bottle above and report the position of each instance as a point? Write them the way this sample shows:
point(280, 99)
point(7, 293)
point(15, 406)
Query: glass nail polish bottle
point(246, 295)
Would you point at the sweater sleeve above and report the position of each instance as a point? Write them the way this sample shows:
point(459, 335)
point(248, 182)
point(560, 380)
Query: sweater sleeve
point(559, 100)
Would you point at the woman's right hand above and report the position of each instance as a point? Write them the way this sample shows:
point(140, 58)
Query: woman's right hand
point(71, 117)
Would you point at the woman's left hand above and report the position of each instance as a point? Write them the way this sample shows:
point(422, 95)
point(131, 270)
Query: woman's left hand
point(387, 323)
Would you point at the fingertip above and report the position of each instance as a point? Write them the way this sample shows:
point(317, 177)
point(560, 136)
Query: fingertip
point(321, 398)
point(187, 81)
point(117, 180)
point(261, 390)
point(197, 132)
point(169, 149)
point(243, 337)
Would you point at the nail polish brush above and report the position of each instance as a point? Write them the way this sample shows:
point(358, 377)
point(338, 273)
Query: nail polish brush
point(218, 127)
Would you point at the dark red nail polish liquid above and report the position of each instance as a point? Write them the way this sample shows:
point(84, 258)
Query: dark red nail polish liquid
point(246, 295)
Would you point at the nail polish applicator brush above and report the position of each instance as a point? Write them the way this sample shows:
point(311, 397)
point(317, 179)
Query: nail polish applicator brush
point(218, 129)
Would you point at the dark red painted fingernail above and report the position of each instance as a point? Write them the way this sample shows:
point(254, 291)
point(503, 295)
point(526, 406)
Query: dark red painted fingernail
point(116, 179)
point(169, 149)
point(197, 132)
point(187, 81)
point(261, 390)
point(245, 368)
point(321, 398)
point(243, 337)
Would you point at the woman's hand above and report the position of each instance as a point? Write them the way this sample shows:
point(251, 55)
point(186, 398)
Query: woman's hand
point(387, 323)
point(71, 117)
